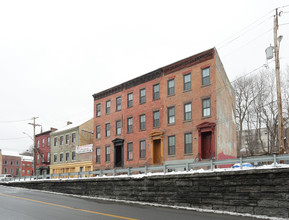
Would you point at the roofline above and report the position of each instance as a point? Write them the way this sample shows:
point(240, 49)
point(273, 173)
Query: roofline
point(186, 62)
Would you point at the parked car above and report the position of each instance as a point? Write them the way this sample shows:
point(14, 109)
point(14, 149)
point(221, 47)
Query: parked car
point(5, 177)
point(237, 165)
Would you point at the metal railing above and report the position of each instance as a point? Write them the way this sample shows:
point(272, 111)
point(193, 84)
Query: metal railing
point(166, 167)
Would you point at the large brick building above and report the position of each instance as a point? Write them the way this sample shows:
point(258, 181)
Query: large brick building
point(11, 163)
point(178, 112)
point(43, 153)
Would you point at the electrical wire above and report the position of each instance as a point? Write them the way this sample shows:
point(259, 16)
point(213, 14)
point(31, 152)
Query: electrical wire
point(15, 121)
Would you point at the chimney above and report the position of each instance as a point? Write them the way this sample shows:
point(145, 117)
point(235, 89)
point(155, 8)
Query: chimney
point(53, 129)
point(69, 123)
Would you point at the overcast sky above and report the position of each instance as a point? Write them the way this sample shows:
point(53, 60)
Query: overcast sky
point(54, 55)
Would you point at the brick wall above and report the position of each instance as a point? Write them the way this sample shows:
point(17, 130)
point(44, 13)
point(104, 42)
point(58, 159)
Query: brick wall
point(258, 192)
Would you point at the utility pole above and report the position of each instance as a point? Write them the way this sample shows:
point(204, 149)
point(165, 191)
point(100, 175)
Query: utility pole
point(34, 143)
point(277, 70)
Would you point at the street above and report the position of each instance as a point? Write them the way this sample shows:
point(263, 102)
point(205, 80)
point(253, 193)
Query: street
point(25, 204)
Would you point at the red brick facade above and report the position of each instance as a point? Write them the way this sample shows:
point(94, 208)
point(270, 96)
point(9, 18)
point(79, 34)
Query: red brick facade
point(11, 165)
point(188, 116)
point(27, 168)
point(43, 154)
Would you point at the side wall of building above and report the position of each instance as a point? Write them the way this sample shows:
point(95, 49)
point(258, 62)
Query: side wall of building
point(225, 104)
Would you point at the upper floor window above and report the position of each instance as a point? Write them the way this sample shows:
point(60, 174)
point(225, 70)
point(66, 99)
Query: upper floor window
point(206, 76)
point(188, 111)
point(171, 115)
point(172, 145)
point(48, 141)
point(98, 155)
point(73, 139)
point(187, 82)
point(188, 143)
point(11, 163)
point(156, 118)
point(61, 140)
point(67, 139)
point(142, 149)
point(206, 105)
point(43, 142)
point(118, 127)
point(42, 158)
point(118, 103)
point(98, 132)
point(142, 96)
point(107, 130)
point(142, 121)
point(129, 100)
point(55, 158)
point(98, 110)
point(55, 141)
point(48, 157)
point(67, 156)
point(171, 87)
point(73, 155)
point(5, 162)
point(107, 107)
point(129, 151)
point(156, 91)
point(129, 125)
point(37, 143)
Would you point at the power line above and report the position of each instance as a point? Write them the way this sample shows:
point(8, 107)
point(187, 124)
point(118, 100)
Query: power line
point(9, 139)
point(14, 121)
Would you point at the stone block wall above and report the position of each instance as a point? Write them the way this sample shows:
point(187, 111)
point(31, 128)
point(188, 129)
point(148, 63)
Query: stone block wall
point(258, 192)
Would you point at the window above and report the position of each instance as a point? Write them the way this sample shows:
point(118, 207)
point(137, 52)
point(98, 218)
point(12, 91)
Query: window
point(55, 141)
point(107, 153)
point(187, 82)
point(188, 111)
point(38, 158)
point(142, 149)
point(142, 96)
point(118, 103)
point(130, 100)
point(37, 143)
point(171, 150)
point(142, 122)
point(5, 162)
point(23, 171)
point(5, 170)
point(98, 110)
point(107, 111)
point(17, 163)
point(188, 143)
point(171, 87)
point(73, 137)
point(98, 132)
point(98, 155)
point(156, 119)
point(118, 127)
point(28, 165)
point(48, 141)
point(107, 130)
point(23, 165)
point(61, 157)
point(206, 76)
point(11, 163)
point(43, 142)
point(129, 125)
point(67, 156)
point(73, 155)
point(48, 157)
point(28, 171)
point(206, 107)
point(171, 115)
point(156, 91)
point(55, 158)
point(11, 171)
point(42, 158)
point(67, 139)
point(129, 151)
point(61, 140)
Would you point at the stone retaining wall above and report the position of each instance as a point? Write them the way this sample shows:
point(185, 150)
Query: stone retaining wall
point(258, 192)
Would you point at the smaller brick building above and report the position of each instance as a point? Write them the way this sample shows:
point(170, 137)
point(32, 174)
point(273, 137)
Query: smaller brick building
point(27, 166)
point(43, 154)
point(11, 163)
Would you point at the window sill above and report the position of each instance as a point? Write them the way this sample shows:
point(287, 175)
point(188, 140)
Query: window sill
point(189, 90)
point(206, 85)
point(171, 124)
point(171, 156)
point(187, 121)
point(156, 99)
point(205, 117)
point(188, 154)
point(171, 95)
point(156, 127)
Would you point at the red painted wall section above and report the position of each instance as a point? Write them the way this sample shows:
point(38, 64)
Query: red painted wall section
point(222, 156)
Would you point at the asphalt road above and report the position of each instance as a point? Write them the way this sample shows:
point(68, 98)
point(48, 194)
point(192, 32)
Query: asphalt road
point(25, 204)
